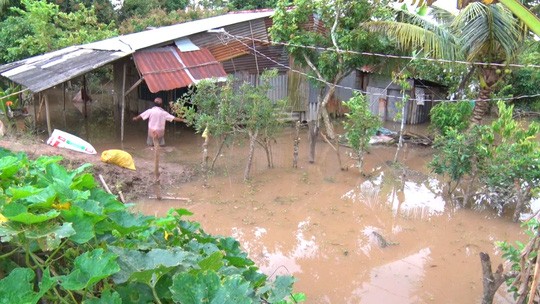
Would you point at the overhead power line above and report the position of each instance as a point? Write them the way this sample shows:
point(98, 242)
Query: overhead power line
point(257, 52)
point(389, 56)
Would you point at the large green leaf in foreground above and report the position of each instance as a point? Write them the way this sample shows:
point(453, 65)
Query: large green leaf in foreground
point(90, 268)
point(206, 287)
point(18, 286)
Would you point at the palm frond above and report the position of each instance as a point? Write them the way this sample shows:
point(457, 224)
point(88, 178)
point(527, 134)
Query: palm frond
point(488, 32)
point(442, 16)
point(411, 37)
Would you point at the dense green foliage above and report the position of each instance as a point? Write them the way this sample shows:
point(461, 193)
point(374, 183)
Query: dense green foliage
point(294, 26)
point(496, 164)
point(360, 125)
point(64, 240)
point(41, 27)
point(160, 17)
point(450, 115)
point(524, 81)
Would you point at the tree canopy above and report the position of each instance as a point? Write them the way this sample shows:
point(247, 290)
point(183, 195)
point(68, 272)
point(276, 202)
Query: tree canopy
point(41, 27)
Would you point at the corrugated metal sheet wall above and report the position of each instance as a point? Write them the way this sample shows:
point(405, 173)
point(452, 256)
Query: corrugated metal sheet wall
point(278, 85)
point(349, 81)
point(259, 64)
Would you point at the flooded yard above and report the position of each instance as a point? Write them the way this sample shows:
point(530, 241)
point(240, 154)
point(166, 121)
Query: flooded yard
point(323, 225)
point(386, 237)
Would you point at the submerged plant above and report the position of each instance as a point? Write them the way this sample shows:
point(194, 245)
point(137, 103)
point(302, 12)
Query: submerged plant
point(360, 125)
point(495, 164)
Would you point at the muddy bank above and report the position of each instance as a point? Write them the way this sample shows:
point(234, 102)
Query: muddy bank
point(134, 184)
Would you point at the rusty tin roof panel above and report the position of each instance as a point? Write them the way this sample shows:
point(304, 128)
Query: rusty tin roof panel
point(202, 64)
point(167, 68)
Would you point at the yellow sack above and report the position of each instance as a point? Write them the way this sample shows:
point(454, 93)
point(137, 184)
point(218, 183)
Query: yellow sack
point(119, 158)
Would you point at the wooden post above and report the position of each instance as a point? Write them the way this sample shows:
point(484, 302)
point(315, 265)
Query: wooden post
point(47, 116)
point(64, 100)
point(84, 97)
point(296, 145)
point(157, 184)
point(123, 103)
point(35, 112)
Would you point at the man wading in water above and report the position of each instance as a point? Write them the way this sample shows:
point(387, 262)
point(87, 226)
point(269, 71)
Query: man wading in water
point(157, 118)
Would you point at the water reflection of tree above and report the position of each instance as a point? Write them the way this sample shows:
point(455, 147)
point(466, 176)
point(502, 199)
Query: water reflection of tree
point(394, 181)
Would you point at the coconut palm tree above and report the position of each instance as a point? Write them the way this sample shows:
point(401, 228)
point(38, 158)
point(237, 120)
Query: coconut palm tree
point(479, 33)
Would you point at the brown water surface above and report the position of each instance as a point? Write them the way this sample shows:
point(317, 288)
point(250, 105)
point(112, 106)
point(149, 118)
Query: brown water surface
point(317, 222)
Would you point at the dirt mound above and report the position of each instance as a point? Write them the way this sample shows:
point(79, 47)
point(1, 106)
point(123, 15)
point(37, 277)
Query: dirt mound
point(133, 184)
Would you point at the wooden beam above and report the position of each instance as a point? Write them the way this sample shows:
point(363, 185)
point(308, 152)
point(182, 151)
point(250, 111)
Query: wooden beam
point(133, 86)
point(123, 114)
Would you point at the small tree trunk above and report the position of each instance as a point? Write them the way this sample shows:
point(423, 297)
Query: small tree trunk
point(296, 145)
point(252, 142)
point(270, 154)
point(328, 124)
point(324, 113)
point(205, 160)
point(360, 161)
point(522, 197)
point(402, 127)
point(218, 152)
point(268, 151)
point(313, 132)
point(338, 154)
point(491, 281)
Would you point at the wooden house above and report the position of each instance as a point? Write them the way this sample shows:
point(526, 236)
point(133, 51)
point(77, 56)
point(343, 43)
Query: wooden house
point(165, 61)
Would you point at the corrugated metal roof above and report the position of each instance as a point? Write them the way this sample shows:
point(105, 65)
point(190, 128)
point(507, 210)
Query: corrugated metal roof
point(45, 71)
point(168, 68)
point(142, 40)
point(225, 50)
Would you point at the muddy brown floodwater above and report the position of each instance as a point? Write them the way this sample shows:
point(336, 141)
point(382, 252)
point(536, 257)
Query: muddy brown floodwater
point(322, 224)
point(317, 223)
